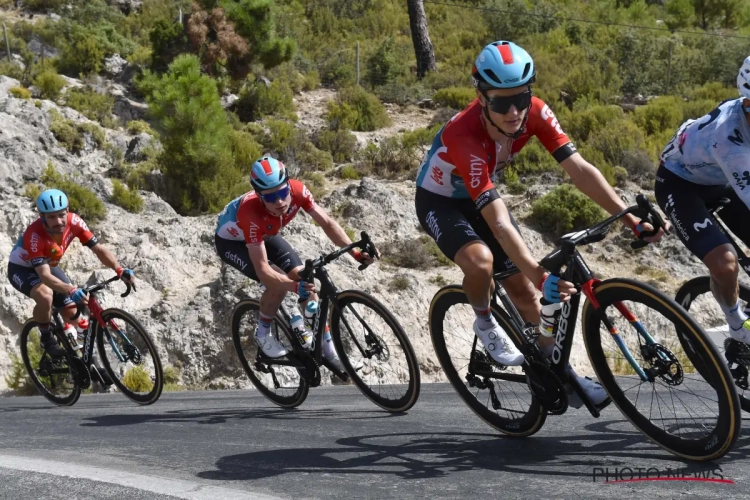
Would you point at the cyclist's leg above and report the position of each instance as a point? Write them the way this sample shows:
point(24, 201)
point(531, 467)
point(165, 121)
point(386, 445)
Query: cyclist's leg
point(446, 222)
point(284, 257)
point(64, 303)
point(684, 204)
point(27, 281)
point(235, 254)
point(520, 289)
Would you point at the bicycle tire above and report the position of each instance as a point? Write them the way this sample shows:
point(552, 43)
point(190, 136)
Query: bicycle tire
point(726, 431)
point(68, 400)
point(300, 394)
point(152, 395)
point(696, 287)
point(533, 418)
point(398, 404)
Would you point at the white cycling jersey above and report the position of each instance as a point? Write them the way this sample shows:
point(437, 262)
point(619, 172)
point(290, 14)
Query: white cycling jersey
point(713, 150)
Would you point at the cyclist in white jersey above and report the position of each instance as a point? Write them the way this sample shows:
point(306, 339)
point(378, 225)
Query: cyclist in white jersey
point(707, 159)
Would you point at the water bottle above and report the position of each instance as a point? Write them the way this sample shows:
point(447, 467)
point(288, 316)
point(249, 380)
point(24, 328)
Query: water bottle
point(70, 332)
point(298, 327)
point(311, 310)
point(81, 328)
point(550, 313)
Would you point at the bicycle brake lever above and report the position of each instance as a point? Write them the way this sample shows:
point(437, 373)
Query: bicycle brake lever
point(127, 292)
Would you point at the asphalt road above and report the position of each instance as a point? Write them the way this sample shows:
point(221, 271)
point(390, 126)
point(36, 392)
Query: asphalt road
point(233, 444)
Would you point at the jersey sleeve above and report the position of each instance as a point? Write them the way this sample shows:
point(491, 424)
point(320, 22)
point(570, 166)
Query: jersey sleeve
point(470, 160)
point(303, 196)
point(548, 130)
point(81, 231)
point(36, 248)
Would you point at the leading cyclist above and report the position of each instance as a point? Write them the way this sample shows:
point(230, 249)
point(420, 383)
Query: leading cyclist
point(457, 203)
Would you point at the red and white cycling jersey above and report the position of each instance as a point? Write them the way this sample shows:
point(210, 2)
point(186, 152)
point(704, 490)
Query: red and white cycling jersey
point(37, 246)
point(462, 162)
point(247, 218)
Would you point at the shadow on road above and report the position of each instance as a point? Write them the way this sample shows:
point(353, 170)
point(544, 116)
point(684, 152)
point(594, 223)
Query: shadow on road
point(432, 455)
point(209, 416)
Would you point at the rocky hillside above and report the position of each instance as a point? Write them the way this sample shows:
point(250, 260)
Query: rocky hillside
point(185, 294)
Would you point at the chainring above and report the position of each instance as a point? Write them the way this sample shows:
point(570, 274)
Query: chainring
point(311, 371)
point(547, 387)
point(81, 375)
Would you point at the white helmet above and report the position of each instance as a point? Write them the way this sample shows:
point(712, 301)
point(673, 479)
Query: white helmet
point(743, 79)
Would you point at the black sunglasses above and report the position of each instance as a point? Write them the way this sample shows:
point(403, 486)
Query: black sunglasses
point(502, 104)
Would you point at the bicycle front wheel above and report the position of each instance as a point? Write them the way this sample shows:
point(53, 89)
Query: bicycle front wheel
point(498, 394)
point(375, 351)
point(661, 370)
point(129, 356)
point(282, 384)
point(695, 296)
point(52, 377)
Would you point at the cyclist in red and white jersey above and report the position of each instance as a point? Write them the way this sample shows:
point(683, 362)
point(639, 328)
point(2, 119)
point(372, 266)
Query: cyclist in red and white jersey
point(458, 206)
point(33, 265)
point(247, 239)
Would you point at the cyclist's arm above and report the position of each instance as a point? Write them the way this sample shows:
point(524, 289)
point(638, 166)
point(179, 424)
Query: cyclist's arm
point(498, 219)
point(265, 272)
point(56, 284)
point(592, 183)
point(735, 162)
point(329, 225)
point(105, 256)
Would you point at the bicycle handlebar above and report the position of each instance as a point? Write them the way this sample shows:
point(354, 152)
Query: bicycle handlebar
point(365, 244)
point(650, 215)
point(99, 286)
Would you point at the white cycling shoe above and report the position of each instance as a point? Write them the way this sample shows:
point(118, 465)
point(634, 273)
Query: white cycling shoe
point(593, 390)
point(498, 345)
point(742, 334)
point(332, 356)
point(271, 346)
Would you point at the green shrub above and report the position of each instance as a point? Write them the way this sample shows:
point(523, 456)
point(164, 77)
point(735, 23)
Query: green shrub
point(696, 109)
point(661, 113)
point(399, 284)
point(83, 52)
point(137, 380)
point(311, 80)
point(11, 69)
point(135, 127)
point(349, 172)
point(91, 104)
point(20, 92)
point(310, 157)
point(65, 132)
point(257, 101)
point(402, 93)
point(18, 378)
point(455, 97)
point(49, 84)
point(172, 374)
point(43, 5)
point(438, 280)
point(342, 144)
point(357, 109)
point(129, 199)
point(32, 191)
point(564, 209)
point(418, 253)
point(82, 200)
point(96, 132)
point(621, 176)
point(395, 156)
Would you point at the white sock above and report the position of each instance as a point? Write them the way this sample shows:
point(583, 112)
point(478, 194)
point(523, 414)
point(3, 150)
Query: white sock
point(735, 315)
point(328, 349)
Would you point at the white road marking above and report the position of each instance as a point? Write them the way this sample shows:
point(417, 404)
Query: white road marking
point(188, 490)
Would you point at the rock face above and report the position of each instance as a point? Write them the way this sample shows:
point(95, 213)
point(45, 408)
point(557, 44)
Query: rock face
point(185, 294)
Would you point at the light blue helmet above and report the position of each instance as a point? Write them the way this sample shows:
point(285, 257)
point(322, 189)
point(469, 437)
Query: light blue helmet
point(502, 65)
point(51, 200)
point(267, 173)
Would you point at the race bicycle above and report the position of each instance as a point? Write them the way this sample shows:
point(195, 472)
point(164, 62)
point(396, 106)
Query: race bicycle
point(652, 358)
point(128, 355)
point(695, 296)
point(373, 348)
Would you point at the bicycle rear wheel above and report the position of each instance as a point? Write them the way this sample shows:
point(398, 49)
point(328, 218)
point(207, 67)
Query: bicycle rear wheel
point(375, 351)
point(695, 296)
point(499, 395)
point(283, 385)
point(52, 377)
point(687, 404)
point(129, 356)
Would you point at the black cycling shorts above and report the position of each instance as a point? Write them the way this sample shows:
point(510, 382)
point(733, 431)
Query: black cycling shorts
point(453, 223)
point(684, 202)
point(24, 279)
point(279, 252)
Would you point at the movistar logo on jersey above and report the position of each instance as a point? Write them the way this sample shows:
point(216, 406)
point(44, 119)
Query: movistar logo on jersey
point(743, 180)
